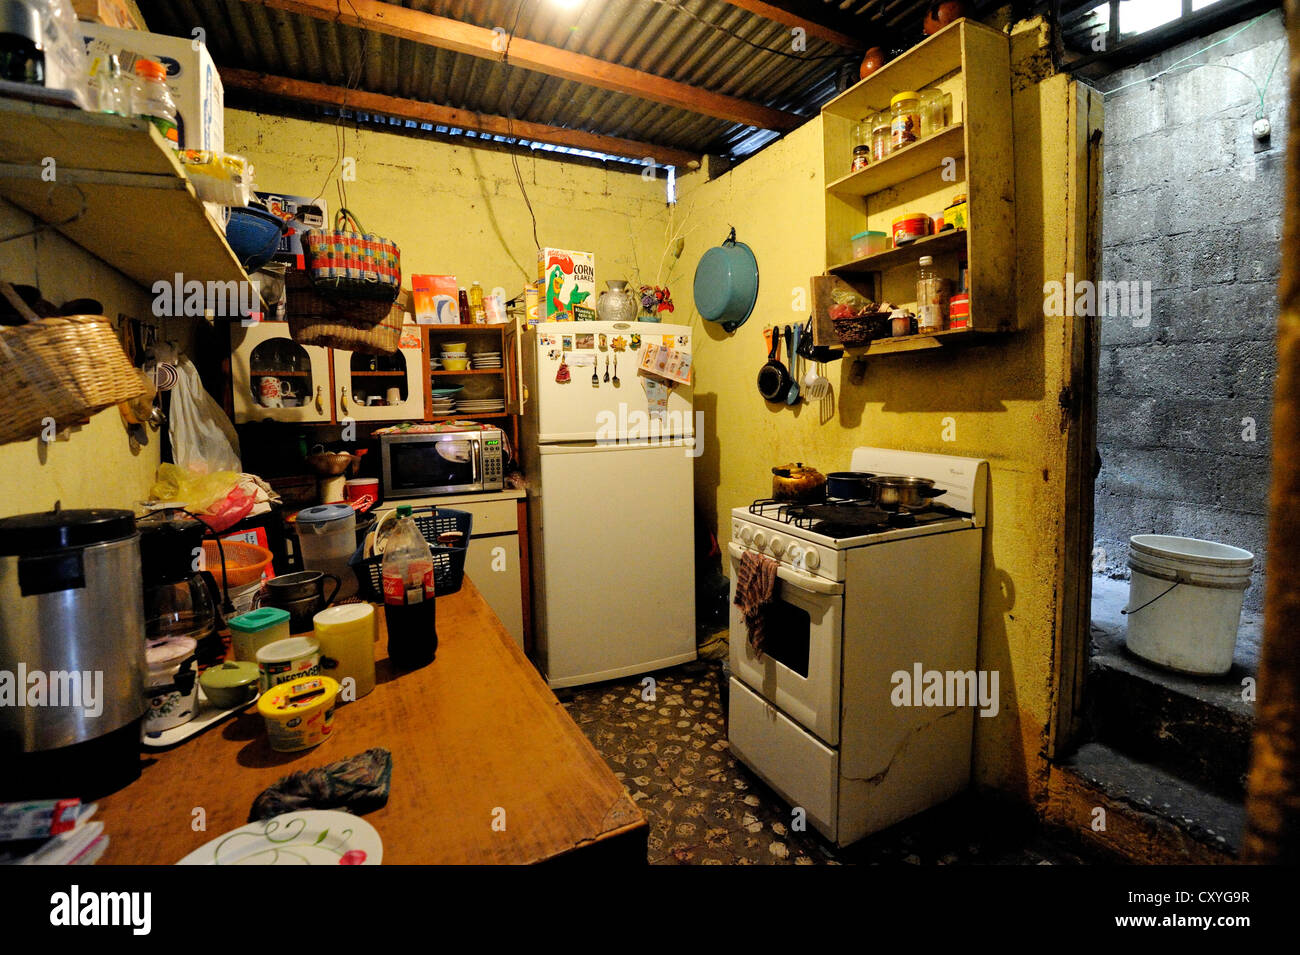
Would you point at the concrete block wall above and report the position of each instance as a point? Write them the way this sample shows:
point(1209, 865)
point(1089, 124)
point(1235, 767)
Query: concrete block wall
point(1193, 207)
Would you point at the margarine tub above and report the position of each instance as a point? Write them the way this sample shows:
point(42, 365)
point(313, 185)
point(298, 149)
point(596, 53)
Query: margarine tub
point(299, 714)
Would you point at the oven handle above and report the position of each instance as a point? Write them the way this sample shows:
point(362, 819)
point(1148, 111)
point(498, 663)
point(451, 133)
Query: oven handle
point(794, 578)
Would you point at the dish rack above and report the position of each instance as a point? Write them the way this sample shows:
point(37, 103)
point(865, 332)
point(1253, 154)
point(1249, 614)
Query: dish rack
point(448, 561)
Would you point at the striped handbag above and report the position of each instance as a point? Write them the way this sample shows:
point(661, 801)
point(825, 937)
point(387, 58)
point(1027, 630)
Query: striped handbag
point(353, 264)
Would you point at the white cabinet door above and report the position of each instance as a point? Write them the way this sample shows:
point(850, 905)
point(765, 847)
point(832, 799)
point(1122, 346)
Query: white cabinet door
point(362, 383)
point(493, 564)
point(263, 356)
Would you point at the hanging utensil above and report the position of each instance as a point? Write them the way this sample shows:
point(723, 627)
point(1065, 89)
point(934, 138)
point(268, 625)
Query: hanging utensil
point(606, 365)
point(816, 387)
point(595, 376)
point(792, 346)
point(773, 378)
point(616, 382)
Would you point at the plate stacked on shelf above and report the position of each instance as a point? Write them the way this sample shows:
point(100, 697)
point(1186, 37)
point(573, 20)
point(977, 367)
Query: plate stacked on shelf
point(481, 405)
point(486, 359)
point(444, 400)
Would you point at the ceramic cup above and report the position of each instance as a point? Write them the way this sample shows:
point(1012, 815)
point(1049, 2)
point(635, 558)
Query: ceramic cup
point(272, 391)
point(394, 396)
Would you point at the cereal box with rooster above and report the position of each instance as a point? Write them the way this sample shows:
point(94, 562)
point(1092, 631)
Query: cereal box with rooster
point(568, 279)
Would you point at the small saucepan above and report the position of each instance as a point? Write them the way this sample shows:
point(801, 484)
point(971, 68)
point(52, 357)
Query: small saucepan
point(851, 485)
point(898, 492)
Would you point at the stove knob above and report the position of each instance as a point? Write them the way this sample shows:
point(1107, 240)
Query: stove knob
point(746, 533)
point(760, 539)
point(777, 546)
point(794, 554)
point(811, 558)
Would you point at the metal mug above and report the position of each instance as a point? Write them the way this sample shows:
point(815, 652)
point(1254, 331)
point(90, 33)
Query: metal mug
point(301, 594)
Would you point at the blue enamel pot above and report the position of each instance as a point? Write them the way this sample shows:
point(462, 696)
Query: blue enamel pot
point(726, 283)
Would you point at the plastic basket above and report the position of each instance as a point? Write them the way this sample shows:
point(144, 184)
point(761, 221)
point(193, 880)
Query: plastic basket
point(448, 562)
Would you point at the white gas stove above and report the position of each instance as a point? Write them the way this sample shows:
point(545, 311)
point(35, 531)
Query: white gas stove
point(863, 594)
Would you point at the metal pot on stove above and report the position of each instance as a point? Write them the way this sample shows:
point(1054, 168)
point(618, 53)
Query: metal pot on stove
point(900, 492)
point(798, 484)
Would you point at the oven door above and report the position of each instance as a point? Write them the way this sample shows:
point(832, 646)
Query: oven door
point(800, 668)
point(417, 464)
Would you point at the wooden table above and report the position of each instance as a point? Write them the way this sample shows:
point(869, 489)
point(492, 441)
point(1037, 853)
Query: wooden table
point(474, 733)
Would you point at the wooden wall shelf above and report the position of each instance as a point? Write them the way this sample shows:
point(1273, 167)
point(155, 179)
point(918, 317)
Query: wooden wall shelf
point(907, 163)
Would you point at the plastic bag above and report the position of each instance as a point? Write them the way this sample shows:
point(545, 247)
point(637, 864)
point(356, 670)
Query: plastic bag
point(203, 439)
point(198, 492)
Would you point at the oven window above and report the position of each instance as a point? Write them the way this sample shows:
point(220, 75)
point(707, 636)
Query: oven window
point(418, 464)
point(788, 636)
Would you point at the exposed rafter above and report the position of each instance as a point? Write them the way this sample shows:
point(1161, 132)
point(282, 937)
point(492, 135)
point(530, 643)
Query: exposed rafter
point(827, 24)
point(448, 34)
point(322, 94)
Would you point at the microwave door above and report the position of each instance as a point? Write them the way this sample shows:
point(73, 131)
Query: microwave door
point(433, 466)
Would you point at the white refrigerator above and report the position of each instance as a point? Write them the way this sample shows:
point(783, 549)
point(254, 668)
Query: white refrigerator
point(610, 471)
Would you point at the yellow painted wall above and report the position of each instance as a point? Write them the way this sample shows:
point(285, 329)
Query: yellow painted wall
point(95, 466)
point(1003, 398)
point(458, 209)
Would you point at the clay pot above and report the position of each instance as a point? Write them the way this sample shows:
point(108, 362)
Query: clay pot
point(941, 14)
point(872, 61)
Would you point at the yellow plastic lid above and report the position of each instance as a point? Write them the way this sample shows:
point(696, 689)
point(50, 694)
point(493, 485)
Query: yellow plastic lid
point(904, 97)
point(299, 697)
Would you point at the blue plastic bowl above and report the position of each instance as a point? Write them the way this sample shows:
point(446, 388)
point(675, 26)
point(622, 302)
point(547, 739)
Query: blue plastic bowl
point(254, 235)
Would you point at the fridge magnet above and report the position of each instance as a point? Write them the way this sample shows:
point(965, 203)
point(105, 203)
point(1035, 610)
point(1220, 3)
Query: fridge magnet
point(669, 340)
point(585, 340)
point(683, 341)
point(636, 341)
point(618, 343)
point(562, 376)
point(567, 343)
point(604, 342)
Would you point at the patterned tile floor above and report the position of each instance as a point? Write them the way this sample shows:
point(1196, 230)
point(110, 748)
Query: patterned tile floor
point(705, 807)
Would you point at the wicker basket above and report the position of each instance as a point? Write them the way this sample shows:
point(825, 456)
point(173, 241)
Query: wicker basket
point(306, 299)
point(862, 330)
point(62, 369)
point(381, 339)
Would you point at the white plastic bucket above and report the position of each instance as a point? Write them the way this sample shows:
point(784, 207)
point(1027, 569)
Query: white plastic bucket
point(1184, 603)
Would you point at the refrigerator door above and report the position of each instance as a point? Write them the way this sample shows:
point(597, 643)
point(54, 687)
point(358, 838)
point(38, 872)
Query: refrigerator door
point(577, 410)
point(614, 573)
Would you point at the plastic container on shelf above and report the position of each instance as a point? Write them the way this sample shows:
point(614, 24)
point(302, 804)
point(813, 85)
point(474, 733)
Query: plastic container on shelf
point(905, 119)
point(869, 243)
point(476, 307)
point(933, 115)
point(931, 298)
point(251, 631)
point(880, 138)
point(327, 537)
point(153, 101)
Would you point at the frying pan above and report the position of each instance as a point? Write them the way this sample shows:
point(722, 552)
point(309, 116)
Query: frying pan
point(773, 378)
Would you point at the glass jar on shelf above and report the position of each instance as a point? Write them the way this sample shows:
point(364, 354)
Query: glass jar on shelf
point(861, 145)
point(933, 116)
point(880, 139)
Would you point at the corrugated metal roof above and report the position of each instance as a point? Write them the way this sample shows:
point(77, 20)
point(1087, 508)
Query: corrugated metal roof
point(710, 44)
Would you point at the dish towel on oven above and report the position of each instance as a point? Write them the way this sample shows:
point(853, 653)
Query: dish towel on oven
point(755, 590)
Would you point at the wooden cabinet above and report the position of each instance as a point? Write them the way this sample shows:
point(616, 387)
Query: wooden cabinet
point(263, 351)
point(477, 383)
point(972, 156)
point(364, 384)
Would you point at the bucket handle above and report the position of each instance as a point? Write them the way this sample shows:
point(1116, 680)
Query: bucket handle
point(1176, 582)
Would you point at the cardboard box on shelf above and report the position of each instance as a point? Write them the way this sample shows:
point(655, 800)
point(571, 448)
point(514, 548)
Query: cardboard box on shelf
point(191, 76)
point(436, 300)
point(568, 279)
point(123, 14)
point(303, 213)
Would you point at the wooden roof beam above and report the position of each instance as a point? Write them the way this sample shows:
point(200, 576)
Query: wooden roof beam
point(830, 25)
point(460, 37)
point(322, 94)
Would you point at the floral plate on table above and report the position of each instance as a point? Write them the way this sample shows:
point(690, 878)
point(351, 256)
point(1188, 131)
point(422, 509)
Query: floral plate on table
point(310, 837)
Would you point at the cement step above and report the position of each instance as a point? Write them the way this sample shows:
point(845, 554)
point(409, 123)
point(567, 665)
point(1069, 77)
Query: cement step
point(1149, 815)
point(1195, 728)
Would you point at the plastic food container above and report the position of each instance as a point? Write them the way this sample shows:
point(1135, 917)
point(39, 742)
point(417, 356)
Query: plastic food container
point(955, 215)
point(172, 687)
point(959, 310)
point(287, 660)
point(911, 226)
point(229, 684)
point(869, 243)
point(299, 714)
point(905, 119)
point(347, 636)
point(250, 632)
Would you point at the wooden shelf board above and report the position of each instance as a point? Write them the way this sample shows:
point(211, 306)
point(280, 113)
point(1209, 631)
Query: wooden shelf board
point(907, 163)
point(471, 371)
point(377, 374)
point(890, 346)
point(467, 328)
point(467, 416)
point(954, 240)
point(141, 213)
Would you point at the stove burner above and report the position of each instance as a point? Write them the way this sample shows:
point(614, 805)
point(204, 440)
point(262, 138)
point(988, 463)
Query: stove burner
point(838, 518)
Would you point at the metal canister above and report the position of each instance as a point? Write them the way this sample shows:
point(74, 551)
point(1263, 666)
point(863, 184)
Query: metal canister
point(955, 214)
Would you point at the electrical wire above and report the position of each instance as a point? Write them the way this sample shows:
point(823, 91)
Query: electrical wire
point(1178, 66)
point(340, 130)
point(510, 124)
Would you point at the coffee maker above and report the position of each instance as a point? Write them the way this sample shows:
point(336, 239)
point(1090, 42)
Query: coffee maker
point(72, 654)
point(180, 595)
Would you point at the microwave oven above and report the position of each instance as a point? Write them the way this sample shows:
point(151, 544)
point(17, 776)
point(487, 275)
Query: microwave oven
point(450, 462)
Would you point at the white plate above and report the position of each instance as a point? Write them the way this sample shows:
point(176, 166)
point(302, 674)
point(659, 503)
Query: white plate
point(310, 837)
point(205, 717)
